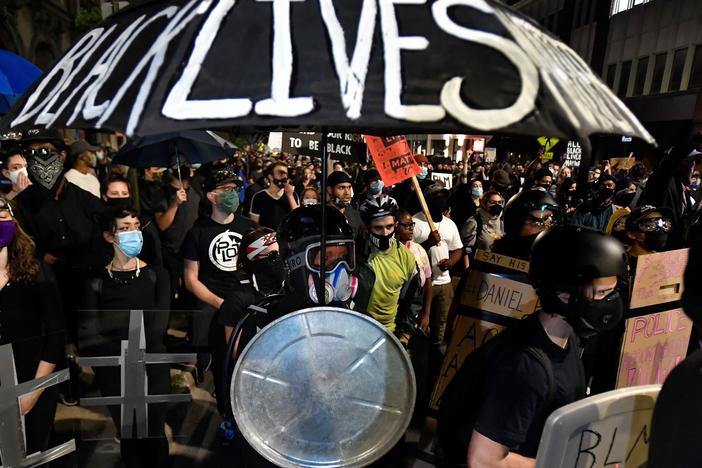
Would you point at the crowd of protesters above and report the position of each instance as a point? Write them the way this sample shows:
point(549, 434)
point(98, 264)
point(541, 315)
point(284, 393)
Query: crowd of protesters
point(78, 232)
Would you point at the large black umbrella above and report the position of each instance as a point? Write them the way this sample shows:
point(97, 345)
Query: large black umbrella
point(446, 67)
point(194, 146)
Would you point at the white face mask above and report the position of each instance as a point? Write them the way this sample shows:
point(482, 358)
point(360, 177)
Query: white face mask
point(309, 201)
point(14, 175)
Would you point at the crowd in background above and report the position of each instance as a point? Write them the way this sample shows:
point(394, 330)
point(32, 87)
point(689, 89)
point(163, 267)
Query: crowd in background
point(92, 235)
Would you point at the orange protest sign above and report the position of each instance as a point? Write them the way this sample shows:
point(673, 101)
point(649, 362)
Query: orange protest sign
point(393, 158)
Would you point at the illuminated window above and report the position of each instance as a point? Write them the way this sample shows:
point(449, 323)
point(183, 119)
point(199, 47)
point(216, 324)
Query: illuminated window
point(619, 6)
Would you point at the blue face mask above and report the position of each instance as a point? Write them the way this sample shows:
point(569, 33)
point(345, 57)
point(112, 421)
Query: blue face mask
point(422, 175)
point(376, 187)
point(130, 242)
point(476, 192)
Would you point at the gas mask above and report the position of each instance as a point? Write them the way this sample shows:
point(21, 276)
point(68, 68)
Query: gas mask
point(587, 317)
point(339, 285)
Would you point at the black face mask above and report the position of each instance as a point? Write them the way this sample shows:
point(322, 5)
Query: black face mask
point(381, 242)
point(655, 240)
point(624, 198)
point(588, 318)
point(119, 202)
point(280, 183)
point(495, 210)
point(269, 273)
point(604, 194)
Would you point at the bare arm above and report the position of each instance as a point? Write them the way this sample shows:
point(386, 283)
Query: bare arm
point(426, 306)
point(27, 402)
point(195, 286)
point(165, 219)
point(486, 453)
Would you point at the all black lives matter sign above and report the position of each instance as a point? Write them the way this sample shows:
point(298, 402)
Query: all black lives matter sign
point(574, 154)
point(340, 146)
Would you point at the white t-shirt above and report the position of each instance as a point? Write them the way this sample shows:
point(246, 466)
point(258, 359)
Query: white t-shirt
point(450, 240)
point(87, 182)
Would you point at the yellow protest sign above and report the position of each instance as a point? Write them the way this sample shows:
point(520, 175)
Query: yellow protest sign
point(482, 292)
point(502, 260)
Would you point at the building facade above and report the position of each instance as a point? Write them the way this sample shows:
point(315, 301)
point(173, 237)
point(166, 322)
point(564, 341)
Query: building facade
point(39, 30)
point(649, 52)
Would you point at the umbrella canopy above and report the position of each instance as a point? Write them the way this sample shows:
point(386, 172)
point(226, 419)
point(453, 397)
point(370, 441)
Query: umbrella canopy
point(194, 146)
point(370, 66)
point(16, 75)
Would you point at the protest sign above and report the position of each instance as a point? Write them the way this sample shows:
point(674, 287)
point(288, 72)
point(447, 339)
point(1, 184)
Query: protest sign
point(483, 295)
point(611, 429)
point(502, 260)
point(393, 158)
point(468, 335)
point(444, 178)
point(653, 345)
point(574, 154)
point(490, 155)
point(622, 163)
point(340, 146)
point(659, 278)
point(547, 144)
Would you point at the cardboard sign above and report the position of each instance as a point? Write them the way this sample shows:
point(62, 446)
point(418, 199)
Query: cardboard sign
point(482, 292)
point(340, 146)
point(574, 154)
point(490, 155)
point(393, 158)
point(622, 163)
point(502, 296)
point(502, 260)
point(611, 429)
point(653, 345)
point(659, 278)
point(444, 178)
point(468, 335)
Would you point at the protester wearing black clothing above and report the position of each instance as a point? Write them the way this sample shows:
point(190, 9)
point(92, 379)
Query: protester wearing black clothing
point(271, 205)
point(175, 211)
point(210, 253)
point(579, 299)
point(32, 321)
point(128, 283)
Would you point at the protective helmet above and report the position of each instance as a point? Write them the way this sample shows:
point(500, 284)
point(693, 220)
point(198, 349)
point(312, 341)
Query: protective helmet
point(519, 206)
point(377, 207)
point(587, 254)
point(583, 255)
point(253, 242)
point(299, 238)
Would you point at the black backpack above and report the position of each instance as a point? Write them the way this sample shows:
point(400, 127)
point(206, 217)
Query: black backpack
point(461, 401)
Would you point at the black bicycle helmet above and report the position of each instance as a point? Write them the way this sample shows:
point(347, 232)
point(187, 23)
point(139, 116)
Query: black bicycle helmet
point(520, 205)
point(568, 256)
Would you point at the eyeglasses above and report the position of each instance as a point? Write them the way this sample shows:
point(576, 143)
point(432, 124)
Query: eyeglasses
point(407, 225)
point(655, 224)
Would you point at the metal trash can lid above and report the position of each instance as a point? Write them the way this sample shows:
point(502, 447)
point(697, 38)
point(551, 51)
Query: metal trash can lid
point(323, 387)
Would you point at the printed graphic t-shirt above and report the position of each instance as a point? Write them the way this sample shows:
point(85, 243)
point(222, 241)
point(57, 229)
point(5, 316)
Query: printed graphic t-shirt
point(216, 247)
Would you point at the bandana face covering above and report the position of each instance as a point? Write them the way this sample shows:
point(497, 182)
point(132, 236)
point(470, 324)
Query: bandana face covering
point(46, 171)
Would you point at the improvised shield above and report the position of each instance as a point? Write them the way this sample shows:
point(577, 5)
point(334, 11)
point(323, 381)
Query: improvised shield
point(323, 386)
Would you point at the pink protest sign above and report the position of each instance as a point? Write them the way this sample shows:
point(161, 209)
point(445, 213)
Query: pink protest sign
point(653, 345)
point(658, 278)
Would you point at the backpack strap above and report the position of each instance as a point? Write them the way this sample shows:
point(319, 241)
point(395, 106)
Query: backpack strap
point(545, 362)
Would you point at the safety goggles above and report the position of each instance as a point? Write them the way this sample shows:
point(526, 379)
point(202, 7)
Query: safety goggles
point(543, 219)
point(655, 224)
point(338, 252)
point(37, 152)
